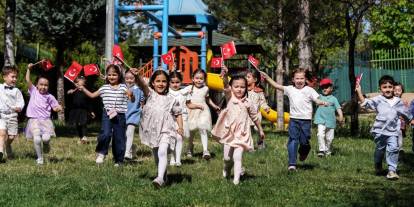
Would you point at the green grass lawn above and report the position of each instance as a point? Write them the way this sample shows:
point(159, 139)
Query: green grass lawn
point(70, 177)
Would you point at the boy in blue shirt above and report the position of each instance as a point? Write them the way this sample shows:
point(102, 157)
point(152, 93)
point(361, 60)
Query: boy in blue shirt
point(385, 128)
point(325, 117)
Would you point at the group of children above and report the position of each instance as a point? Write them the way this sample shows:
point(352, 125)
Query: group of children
point(167, 114)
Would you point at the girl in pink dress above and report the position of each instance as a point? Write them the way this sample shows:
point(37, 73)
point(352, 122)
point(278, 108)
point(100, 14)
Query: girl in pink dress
point(160, 116)
point(233, 125)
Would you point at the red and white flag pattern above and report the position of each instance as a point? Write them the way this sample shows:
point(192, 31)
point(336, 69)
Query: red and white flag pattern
point(216, 62)
point(47, 65)
point(91, 69)
point(254, 62)
point(73, 71)
point(358, 79)
point(167, 58)
point(228, 50)
point(117, 52)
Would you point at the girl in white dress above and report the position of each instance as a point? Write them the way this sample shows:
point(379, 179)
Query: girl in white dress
point(199, 116)
point(181, 96)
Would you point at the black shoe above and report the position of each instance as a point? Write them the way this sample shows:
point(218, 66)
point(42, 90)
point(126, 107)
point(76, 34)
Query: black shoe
point(304, 152)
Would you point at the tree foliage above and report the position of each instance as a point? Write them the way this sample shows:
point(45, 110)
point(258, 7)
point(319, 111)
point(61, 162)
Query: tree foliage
point(392, 24)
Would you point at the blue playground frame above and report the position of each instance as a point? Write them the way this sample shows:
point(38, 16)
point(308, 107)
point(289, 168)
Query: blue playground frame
point(158, 22)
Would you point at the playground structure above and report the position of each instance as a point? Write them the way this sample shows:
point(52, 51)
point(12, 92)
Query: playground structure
point(176, 12)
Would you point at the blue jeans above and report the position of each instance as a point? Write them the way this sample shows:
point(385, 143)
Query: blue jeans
point(389, 146)
point(112, 128)
point(299, 134)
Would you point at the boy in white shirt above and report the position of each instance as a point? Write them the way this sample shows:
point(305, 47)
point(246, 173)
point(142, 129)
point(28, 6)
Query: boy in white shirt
point(11, 103)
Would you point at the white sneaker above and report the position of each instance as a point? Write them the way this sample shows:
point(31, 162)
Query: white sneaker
point(40, 161)
point(236, 182)
point(158, 183)
point(84, 140)
point(178, 164)
point(172, 161)
point(243, 171)
point(100, 158)
point(206, 155)
point(128, 156)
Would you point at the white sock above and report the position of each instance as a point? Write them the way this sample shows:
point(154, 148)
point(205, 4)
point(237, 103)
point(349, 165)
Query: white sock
point(178, 149)
point(237, 157)
point(130, 138)
point(228, 163)
point(204, 139)
point(161, 159)
point(46, 138)
point(37, 142)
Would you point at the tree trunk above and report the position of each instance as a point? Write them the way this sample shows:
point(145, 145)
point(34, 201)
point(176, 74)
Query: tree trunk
point(279, 70)
point(9, 33)
point(305, 56)
point(60, 82)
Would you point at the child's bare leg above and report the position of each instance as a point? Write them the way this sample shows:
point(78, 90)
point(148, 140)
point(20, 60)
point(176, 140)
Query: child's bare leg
point(2, 141)
point(9, 150)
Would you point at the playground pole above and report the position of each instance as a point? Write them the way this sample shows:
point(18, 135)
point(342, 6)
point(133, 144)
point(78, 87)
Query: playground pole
point(116, 22)
point(155, 49)
point(165, 30)
point(204, 48)
point(109, 29)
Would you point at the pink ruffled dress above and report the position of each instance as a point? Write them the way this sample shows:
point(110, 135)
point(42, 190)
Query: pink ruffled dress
point(233, 124)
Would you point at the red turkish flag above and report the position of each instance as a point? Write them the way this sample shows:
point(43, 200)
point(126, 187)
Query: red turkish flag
point(117, 51)
point(47, 65)
point(216, 62)
point(73, 71)
point(358, 79)
point(228, 50)
point(91, 69)
point(168, 58)
point(254, 62)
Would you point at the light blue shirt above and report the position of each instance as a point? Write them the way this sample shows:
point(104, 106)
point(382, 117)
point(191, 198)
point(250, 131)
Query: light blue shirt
point(133, 114)
point(386, 121)
point(326, 114)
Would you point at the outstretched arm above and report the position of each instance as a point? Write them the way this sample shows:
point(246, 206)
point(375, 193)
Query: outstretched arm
point(140, 82)
point(28, 81)
point(359, 93)
point(88, 93)
point(225, 76)
point(271, 81)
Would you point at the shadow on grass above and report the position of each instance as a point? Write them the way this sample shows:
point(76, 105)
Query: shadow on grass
point(375, 194)
point(133, 162)
point(55, 159)
point(188, 161)
point(200, 155)
point(307, 166)
point(247, 176)
point(143, 153)
point(176, 178)
point(407, 161)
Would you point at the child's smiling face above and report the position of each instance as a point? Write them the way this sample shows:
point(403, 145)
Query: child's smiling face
point(42, 85)
point(10, 79)
point(387, 90)
point(160, 83)
point(398, 91)
point(198, 80)
point(250, 79)
point(175, 83)
point(327, 90)
point(129, 79)
point(299, 80)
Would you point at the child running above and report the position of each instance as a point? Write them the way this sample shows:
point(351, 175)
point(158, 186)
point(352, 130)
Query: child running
point(81, 109)
point(114, 96)
point(398, 92)
point(199, 116)
point(233, 125)
point(181, 95)
point(300, 101)
point(39, 126)
point(385, 128)
point(11, 103)
point(160, 116)
point(325, 118)
point(256, 95)
point(133, 114)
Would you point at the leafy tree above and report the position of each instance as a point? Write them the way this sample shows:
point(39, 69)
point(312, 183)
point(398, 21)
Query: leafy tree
point(392, 24)
point(9, 9)
point(63, 24)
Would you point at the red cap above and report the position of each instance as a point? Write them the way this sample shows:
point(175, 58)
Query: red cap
point(325, 81)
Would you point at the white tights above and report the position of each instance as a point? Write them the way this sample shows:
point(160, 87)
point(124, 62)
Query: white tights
point(204, 140)
point(237, 154)
point(130, 138)
point(176, 155)
point(161, 159)
point(37, 140)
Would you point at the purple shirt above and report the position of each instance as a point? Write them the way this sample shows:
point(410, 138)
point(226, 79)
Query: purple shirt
point(40, 105)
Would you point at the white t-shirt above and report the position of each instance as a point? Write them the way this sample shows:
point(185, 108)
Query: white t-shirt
point(300, 101)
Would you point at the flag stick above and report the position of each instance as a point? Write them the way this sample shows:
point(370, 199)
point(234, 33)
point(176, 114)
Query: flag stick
point(123, 62)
